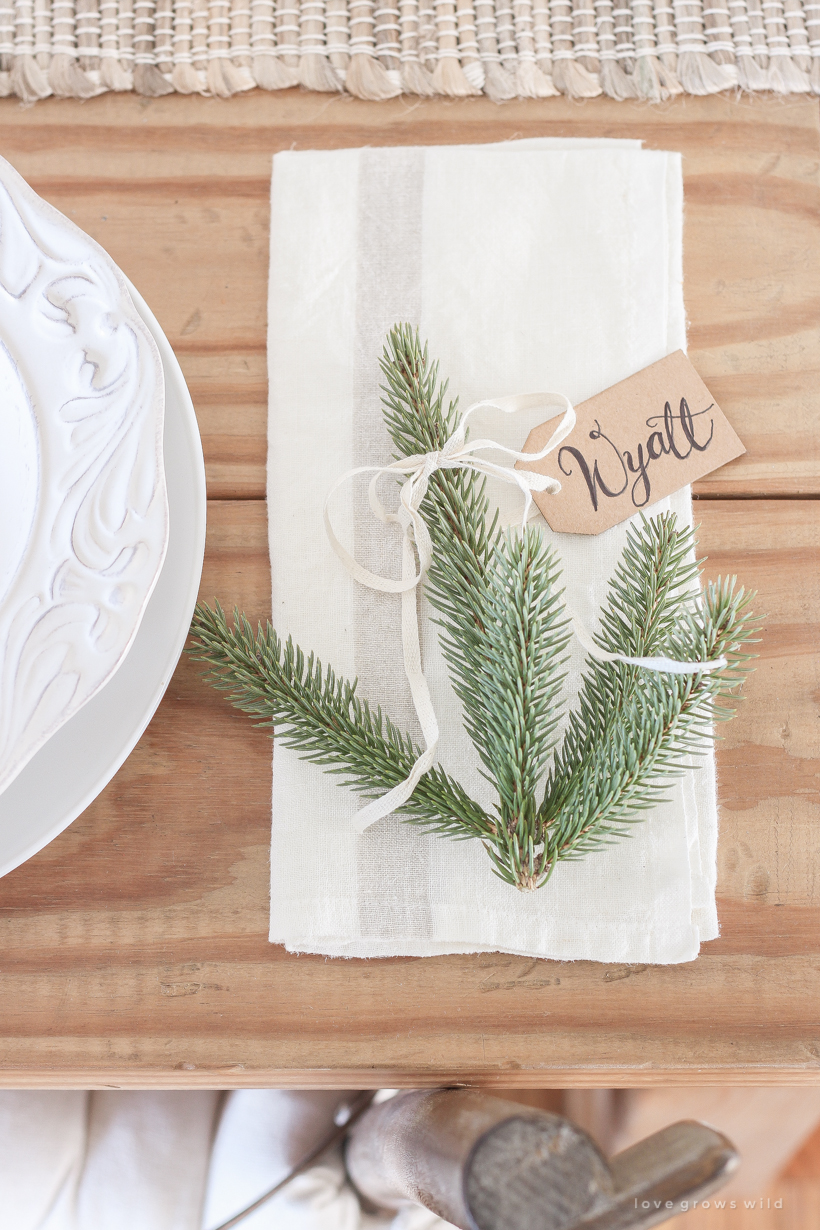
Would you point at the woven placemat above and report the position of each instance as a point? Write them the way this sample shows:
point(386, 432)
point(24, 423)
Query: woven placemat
point(378, 49)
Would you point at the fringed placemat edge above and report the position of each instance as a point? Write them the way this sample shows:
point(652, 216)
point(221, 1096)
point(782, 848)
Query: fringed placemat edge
point(378, 49)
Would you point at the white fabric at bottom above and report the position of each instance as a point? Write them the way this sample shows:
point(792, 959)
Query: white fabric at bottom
point(525, 268)
point(146, 1160)
point(107, 1160)
point(127, 1160)
point(42, 1142)
point(262, 1134)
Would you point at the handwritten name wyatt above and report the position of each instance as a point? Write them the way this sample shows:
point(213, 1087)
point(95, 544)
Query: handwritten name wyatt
point(620, 459)
point(608, 471)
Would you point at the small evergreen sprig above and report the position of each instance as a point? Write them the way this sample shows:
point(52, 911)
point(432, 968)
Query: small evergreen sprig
point(504, 637)
point(324, 719)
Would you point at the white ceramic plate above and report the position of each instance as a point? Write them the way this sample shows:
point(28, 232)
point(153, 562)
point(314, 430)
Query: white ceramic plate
point(83, 509)
point(76, 763)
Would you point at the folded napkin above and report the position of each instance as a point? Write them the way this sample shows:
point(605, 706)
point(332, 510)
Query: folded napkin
point(528, 266)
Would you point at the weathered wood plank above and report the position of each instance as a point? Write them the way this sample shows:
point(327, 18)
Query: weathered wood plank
point(133, 949)
point(177, 189)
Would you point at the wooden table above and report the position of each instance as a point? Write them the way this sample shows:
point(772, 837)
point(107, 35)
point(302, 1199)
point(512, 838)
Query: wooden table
point(134, 947)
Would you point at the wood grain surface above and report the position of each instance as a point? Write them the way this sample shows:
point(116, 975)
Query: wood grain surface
point(177, 190)
point(133, 949)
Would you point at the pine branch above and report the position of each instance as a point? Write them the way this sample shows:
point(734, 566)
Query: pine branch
point(504, 631)
point(634, 728)
point(504, 639)
point(319, 715)
point(504, 672)
point(456, 508)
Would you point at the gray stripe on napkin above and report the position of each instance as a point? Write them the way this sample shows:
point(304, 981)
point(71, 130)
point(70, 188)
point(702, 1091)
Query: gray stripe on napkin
point(392, 859)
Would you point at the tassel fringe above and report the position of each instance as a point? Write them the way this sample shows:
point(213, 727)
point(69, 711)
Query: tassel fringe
point(378, 49)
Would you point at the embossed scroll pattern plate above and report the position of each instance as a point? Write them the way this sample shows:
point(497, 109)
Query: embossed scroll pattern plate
point(83, 506)
point(71, 769)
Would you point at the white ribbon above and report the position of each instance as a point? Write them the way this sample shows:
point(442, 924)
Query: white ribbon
point(457, 454)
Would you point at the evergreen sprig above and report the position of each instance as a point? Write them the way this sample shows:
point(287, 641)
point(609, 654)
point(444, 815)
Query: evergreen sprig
point(324, 719)
point(504, 629)
point(504, 637)
point(634, 729)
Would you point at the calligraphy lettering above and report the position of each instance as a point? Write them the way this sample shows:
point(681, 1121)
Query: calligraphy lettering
point(676, 438)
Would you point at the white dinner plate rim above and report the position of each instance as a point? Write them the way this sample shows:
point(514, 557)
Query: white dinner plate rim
point(97, 533)
point(183, 405)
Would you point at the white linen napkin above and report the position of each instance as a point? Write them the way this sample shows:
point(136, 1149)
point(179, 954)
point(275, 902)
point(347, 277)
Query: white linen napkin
point(527, 266)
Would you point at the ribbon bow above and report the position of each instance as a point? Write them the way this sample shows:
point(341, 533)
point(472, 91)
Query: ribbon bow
point(456, 454)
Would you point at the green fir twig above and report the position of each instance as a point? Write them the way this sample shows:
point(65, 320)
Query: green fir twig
point(504, 637)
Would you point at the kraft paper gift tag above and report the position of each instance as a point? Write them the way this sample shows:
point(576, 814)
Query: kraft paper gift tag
point(633, 444)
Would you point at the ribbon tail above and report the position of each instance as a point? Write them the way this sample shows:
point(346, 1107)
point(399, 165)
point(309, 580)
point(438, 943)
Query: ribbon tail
point(371, 579)
point(395, 798)
point(669, 666)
